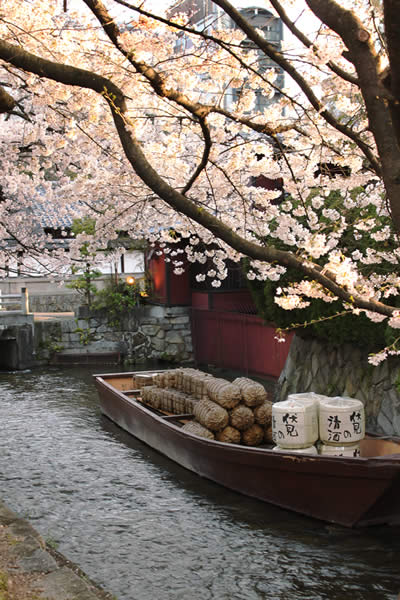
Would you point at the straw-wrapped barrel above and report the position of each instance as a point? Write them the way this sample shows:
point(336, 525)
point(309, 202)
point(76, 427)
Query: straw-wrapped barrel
point(229, 434)
point(241, 417)
point(263, 413)
point(211, 415)
point(253, 393)
point(198, 429)
point(253, 436)
point(223, 392)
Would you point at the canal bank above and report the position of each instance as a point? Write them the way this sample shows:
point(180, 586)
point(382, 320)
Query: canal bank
point(142, 334)
point(31, 569)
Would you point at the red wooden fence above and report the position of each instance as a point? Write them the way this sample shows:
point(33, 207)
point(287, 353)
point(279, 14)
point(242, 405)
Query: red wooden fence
point(237, 341)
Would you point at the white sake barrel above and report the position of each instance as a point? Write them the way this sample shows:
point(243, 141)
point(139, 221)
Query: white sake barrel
point(341, 421)
point(308, 450)
point(351, 450)
point(295, 423)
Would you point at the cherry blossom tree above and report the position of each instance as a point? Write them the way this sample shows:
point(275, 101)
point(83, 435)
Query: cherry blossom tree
point(125, 119)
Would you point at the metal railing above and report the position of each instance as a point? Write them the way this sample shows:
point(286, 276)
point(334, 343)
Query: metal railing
point(16, 303)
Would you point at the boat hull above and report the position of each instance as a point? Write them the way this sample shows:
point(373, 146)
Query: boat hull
point(347, 491)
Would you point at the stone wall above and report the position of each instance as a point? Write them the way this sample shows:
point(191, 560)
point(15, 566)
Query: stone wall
point(344, 371)
point(143, 334)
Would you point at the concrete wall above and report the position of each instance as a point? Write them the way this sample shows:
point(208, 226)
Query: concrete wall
point(145, 333)
point(67, 301)
point(344, 371)
point(16, 341)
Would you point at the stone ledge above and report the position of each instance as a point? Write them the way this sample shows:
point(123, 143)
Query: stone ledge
point(51, 576)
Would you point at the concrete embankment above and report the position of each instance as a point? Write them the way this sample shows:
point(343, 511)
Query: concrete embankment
point(30, 568)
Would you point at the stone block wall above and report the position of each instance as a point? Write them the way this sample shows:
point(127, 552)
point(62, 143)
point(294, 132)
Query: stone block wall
point(143, 334)
point(314, 366)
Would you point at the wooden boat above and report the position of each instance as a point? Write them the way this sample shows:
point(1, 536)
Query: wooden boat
point(353, 492)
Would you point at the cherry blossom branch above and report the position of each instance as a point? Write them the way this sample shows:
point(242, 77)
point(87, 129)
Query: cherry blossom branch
point(227, 46)
point(158, 84)
point(260, 128)
point(278, 57)
point(234, 187)
point(293, 326)
point(74, 76)
point(60, 72)
point(364, 55)
point(262, 253)
point(309, 44)
point(206, 154)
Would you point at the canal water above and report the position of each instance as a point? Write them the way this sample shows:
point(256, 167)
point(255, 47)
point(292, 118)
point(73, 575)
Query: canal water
point(146, 529)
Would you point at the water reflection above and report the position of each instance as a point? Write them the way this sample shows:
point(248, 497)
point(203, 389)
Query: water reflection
point(146, 528)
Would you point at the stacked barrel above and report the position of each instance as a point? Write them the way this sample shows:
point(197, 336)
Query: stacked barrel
point(237, 412)
point(309, 423)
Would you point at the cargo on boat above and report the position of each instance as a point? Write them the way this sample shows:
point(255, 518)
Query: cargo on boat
point(350, 489)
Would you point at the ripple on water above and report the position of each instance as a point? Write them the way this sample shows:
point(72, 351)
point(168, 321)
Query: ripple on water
point(149, 530)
